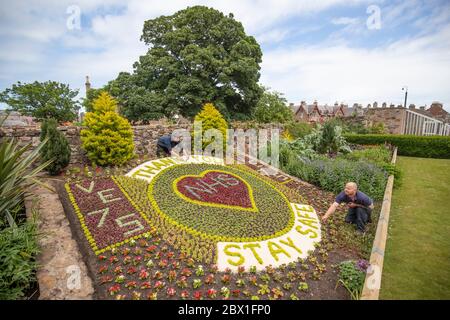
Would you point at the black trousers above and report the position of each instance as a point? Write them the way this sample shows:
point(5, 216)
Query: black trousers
point(162, 152)
point(359, 216)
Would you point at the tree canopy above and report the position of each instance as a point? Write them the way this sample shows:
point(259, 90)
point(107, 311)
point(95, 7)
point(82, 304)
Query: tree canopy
point(272, 107)
point(42, 100)
point(197, 55)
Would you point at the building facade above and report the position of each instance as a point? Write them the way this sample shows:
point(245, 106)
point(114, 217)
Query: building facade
point(396, 119)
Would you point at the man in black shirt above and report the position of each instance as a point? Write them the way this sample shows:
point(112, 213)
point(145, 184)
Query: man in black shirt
point(165, 144)
point(360, 206)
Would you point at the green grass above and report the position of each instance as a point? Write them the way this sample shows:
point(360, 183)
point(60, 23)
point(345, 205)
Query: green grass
point(417, 259)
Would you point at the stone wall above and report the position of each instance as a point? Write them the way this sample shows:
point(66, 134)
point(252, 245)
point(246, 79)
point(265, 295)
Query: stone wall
point(145, 137)
point(393, 118)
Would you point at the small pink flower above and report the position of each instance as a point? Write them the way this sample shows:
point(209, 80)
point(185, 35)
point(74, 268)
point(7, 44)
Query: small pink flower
point(184, 294)
point(212, 293)
point(171, 292)
point(197, 295)
point(114, 289)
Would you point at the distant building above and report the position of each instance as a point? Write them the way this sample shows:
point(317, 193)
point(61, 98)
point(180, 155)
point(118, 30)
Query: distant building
point(16, 119)
point(397, 119)
point(416, 121)
point(315, 113)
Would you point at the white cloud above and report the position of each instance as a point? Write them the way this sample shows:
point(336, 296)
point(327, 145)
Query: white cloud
point(329, 73)
point(345, 21)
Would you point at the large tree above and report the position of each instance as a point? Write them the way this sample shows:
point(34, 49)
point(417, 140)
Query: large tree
point(197, 55)
point(272, 107)
point(42, 100)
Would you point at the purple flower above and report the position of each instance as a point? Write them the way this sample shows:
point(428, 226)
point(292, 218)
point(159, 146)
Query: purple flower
point(362, 264)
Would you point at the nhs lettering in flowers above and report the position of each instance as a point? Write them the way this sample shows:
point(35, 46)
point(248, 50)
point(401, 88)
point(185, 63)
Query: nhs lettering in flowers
point(228, 214)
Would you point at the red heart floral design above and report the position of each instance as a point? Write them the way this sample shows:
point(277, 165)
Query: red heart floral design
point(216, 188)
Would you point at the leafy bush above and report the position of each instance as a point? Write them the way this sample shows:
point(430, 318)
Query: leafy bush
point(351, 276)
point(272, 108)
point(298, 129)
point(211, 118)
point(16, 176)
point(377, 128)
point(18, 247)
point(57, 147)
point(332, 174)
point(327, 139)
point(378, 154)
point(108, 139)
point(409, 145)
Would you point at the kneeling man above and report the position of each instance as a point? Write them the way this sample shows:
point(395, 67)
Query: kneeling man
point(360, 206)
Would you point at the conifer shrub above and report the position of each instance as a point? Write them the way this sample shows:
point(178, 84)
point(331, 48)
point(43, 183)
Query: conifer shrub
point(57, 147)
point(211, 118)
point(108, 137)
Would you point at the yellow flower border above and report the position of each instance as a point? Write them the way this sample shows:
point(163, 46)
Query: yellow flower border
point(218, 238)
point(215, 205)
point(88, 234)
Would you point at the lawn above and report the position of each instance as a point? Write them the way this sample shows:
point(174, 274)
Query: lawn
point(417, 259)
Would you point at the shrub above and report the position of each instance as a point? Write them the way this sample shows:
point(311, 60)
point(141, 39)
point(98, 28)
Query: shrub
point(332, 174)
point(211, 118)
point(18, 247)
point(378, 154)
point(108, 139)
point(327, 139)
point(16, 177)
point(57, 147)
point(272, 108)
point(351, 276)
point(408, 145)
point(298, 129)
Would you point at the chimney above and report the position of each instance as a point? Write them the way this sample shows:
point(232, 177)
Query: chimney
point(436, 105)
point(375, 104)
point(392, 105)
point(422, 108)
point(384, 105)
point(412, 106)
point(88, 85)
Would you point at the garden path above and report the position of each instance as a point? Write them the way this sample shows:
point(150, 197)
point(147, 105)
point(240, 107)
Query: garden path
point(62, 274)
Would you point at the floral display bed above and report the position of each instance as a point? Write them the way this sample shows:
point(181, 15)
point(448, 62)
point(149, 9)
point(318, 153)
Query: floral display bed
point(199, 229)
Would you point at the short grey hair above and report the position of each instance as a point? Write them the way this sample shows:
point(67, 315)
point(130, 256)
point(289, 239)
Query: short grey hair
point(352, 185)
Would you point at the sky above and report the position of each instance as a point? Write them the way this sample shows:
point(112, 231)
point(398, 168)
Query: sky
point(352, 51)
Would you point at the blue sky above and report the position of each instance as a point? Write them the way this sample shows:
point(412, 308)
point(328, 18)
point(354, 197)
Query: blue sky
point(330, 50)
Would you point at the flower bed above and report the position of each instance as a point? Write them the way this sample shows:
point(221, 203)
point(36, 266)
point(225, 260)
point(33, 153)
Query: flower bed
point(197, 229)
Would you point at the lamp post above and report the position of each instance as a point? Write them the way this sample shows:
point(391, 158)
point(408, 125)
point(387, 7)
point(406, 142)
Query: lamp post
point(405, 88)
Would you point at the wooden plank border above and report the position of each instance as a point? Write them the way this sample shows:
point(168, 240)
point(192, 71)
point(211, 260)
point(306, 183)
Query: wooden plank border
point(372, 283)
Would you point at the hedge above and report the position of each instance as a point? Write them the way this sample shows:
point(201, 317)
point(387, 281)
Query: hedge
point(408, 145)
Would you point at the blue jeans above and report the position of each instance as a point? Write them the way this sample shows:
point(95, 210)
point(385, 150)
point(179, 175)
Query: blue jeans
point(359, 216)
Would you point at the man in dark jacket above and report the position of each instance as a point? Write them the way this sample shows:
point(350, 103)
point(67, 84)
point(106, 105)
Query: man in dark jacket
point(165, 145)
point(360, 206)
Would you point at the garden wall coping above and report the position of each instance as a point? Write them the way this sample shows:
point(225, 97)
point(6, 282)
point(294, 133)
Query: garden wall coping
point(372, 283)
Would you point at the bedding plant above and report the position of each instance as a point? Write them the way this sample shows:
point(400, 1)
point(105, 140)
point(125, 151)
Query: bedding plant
point(160, 238)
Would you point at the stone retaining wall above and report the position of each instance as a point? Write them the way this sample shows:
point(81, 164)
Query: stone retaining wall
point(145, 137)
